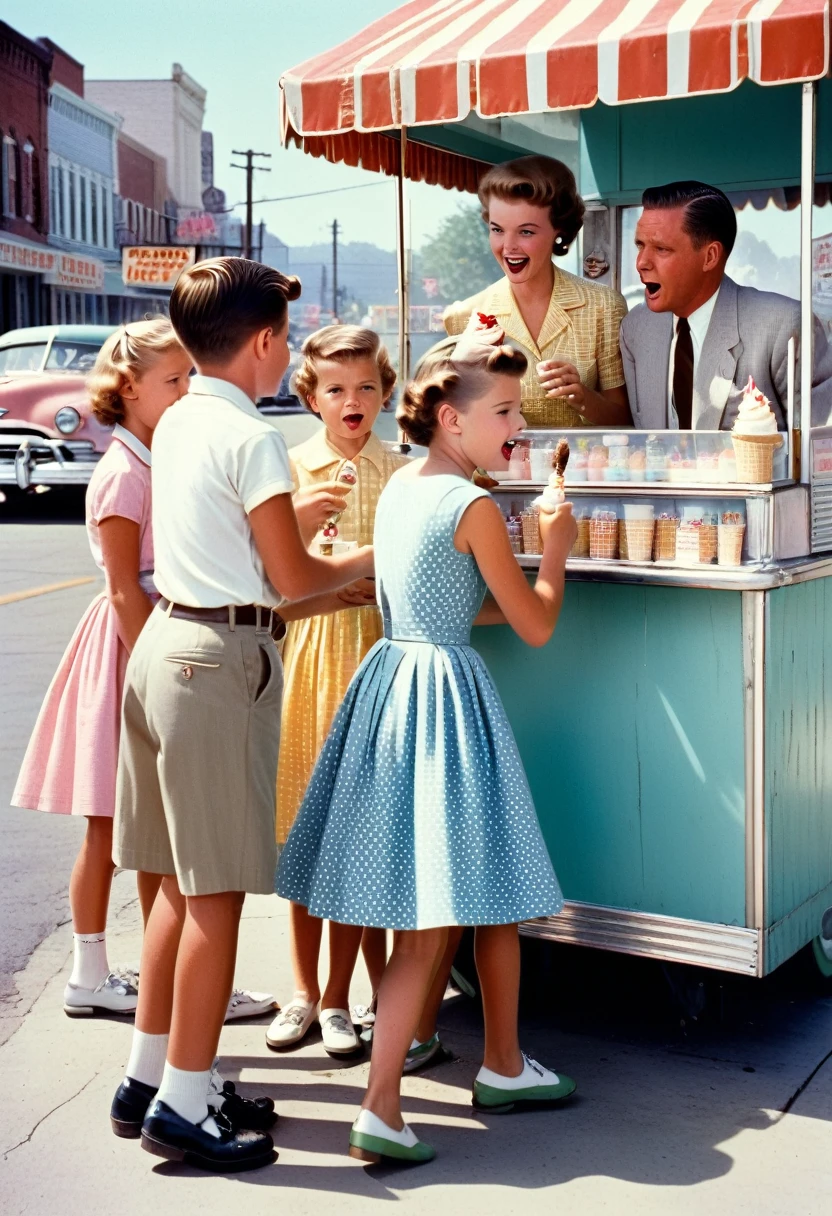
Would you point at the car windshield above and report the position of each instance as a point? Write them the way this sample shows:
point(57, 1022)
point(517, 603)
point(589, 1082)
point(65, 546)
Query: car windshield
point(22, 358)
point(72, 356)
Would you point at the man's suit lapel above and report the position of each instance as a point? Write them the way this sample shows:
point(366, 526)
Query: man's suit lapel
point(717, 363)
point(652, 374)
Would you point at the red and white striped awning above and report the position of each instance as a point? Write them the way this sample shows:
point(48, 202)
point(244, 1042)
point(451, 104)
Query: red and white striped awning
point(434, 61)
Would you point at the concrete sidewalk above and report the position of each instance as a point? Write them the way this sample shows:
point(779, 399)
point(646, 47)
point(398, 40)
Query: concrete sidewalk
point(654, 1130)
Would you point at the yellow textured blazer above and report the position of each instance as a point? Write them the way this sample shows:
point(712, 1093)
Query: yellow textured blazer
point(581, 327)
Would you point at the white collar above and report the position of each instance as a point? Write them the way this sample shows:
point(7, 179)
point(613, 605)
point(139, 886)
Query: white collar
point(212, 386)
point(130, 441)
point(700, 319)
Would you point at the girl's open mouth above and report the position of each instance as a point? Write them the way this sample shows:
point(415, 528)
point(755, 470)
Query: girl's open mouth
point(516, 265)
point(353, 421)
point(508, 447)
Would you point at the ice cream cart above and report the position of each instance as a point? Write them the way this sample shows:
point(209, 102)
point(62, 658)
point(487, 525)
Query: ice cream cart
point(677, 731)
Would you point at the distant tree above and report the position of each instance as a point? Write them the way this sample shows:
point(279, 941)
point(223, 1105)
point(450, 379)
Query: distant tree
point(459, 255)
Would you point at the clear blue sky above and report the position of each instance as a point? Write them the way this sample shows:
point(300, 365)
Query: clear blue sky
point(237, 50)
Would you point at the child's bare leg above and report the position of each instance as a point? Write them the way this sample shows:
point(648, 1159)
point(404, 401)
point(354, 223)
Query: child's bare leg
point(374, 950)
point(344, 941)
point(404, 987)
point(497, 954)
point(148, 888)
point(92, 877)
point(160, 947)
point(203, 979)
point(305, 945)
point(426, 1028)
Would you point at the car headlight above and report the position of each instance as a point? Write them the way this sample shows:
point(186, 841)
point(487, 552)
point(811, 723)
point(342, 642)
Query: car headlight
point(67, 420)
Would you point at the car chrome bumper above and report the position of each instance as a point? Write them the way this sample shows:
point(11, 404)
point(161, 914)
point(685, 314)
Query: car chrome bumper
point(33, 460)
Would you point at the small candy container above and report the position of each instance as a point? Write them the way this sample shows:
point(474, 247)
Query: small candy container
point(519, 468)
point(540, 463)
point(687, 460)
point(577, 467)
point(603, 534)
point(618, 461)
point(655, 460)
point(637, 463)
point(597, 462)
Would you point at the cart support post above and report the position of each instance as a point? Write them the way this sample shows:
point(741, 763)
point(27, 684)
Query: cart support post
point(807, 197)
point(404, 283)
point(754, 620)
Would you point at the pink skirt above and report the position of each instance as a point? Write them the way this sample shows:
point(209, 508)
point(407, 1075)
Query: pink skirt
point(70, 763)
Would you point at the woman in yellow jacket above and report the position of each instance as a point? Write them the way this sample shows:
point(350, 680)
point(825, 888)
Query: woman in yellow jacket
point(566, 326)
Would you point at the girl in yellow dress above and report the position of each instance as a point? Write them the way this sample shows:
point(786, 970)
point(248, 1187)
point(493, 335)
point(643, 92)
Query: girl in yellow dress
point(346, 377)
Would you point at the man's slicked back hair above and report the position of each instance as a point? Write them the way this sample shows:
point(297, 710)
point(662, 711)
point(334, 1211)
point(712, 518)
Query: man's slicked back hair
point(709, 215)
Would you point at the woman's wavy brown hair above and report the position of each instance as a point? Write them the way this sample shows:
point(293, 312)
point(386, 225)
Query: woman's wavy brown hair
point(130, 351)
point(341, 344)
point(543, 182)
point(439, 378)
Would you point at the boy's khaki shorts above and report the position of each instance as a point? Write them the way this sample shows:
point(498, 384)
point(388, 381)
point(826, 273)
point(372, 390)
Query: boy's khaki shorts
point(197, 768)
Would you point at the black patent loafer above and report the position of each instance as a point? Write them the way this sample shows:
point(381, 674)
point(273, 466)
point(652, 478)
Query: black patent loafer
point(129, 1108)
point(168, 1135)
point(256, 1114)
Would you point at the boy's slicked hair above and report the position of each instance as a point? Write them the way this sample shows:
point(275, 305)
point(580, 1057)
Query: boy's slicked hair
point(218, 304)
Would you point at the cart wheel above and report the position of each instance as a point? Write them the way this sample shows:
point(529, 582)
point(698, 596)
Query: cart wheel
point(822, 951)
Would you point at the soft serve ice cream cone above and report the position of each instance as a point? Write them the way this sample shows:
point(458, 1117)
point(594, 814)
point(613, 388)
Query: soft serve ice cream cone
point(755, 436)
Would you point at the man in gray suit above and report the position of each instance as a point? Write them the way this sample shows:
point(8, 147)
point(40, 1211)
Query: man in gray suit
point(689, 349)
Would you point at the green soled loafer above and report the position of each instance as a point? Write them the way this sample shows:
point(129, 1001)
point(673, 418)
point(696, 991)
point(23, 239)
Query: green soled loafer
point(371, 1141)
point(536, 1086)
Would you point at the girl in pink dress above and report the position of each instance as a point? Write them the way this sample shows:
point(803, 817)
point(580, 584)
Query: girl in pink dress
point(70, 763)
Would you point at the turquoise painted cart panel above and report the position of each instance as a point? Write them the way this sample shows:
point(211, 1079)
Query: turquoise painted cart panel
point(630, 724)
point(798, 765)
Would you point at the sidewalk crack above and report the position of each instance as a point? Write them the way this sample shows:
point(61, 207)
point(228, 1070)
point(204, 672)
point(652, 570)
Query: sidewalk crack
point(43, 1118)
point(784, 1110)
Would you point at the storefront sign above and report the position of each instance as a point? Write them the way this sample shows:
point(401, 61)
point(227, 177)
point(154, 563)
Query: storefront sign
point(196, 226)
point(26, 257)
point(822, 458)
point(77, 273)
point(155, 265)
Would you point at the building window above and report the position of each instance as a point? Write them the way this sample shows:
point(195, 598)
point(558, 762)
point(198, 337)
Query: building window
point(54, 205)
point(95, 237)
point(73, 217)
point(83, 189)
point(28, 184)
point(60, 220)
point(10, 177)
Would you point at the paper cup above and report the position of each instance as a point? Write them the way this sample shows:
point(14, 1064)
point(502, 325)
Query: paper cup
point(729, 544)
point(755, 456)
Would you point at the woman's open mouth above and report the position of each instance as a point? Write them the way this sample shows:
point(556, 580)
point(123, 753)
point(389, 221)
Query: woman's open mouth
point(353, 421)
point(516, 265)
point(508, 447)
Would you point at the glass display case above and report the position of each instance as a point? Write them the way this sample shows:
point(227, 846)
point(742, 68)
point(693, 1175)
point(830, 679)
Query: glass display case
point(667, 499)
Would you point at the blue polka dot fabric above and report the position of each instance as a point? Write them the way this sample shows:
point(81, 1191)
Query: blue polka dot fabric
point(419, 813)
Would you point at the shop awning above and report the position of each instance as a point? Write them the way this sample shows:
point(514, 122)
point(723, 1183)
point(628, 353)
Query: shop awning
point(436, 61)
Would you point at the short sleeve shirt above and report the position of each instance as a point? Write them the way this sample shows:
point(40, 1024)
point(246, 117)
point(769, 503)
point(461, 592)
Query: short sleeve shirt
point(215, 458)
point(120, 485)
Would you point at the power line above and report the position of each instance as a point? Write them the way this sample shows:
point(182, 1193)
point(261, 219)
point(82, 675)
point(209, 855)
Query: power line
point(286, 198)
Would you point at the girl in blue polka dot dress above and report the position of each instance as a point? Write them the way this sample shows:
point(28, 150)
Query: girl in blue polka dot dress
point(418, 815)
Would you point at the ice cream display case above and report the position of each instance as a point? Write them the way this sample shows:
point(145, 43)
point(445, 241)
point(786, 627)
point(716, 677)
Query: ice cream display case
point(675, 730)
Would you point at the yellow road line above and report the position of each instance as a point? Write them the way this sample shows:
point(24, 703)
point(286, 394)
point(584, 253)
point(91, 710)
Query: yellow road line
point(33, 591)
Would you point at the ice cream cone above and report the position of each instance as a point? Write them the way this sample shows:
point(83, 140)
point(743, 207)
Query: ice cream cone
point(664, 540)
point(581, 545)
point(755, 456)
point(729, 544)
point(708, 543)
point(623, 550)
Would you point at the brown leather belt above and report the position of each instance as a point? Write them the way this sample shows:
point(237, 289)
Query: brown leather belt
point(268, 619)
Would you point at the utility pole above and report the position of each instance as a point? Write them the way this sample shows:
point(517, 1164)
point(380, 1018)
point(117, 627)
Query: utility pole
point(249, 167)
point(334, 270)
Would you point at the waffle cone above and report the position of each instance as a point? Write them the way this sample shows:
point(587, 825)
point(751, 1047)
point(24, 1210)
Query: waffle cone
point(603, 538)
point(664, 540)
point(531, 533)
point(623, 550)
point(581, 545)
point(729, 544)
point(755, 456)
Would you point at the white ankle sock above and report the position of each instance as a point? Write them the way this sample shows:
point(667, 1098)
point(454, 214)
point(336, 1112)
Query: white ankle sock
point(89, 965)
point(147, 1058)
point(187, 1093)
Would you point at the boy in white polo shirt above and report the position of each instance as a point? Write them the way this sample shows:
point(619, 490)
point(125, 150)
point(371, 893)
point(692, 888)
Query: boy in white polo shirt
point(197, 770)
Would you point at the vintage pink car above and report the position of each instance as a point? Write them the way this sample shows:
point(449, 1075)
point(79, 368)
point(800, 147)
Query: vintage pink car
point(48, 436)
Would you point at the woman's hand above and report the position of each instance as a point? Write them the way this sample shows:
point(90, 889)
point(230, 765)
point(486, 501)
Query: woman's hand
point(610, 408)
point(360, 594)
point(558, 530)
point(315, 504)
